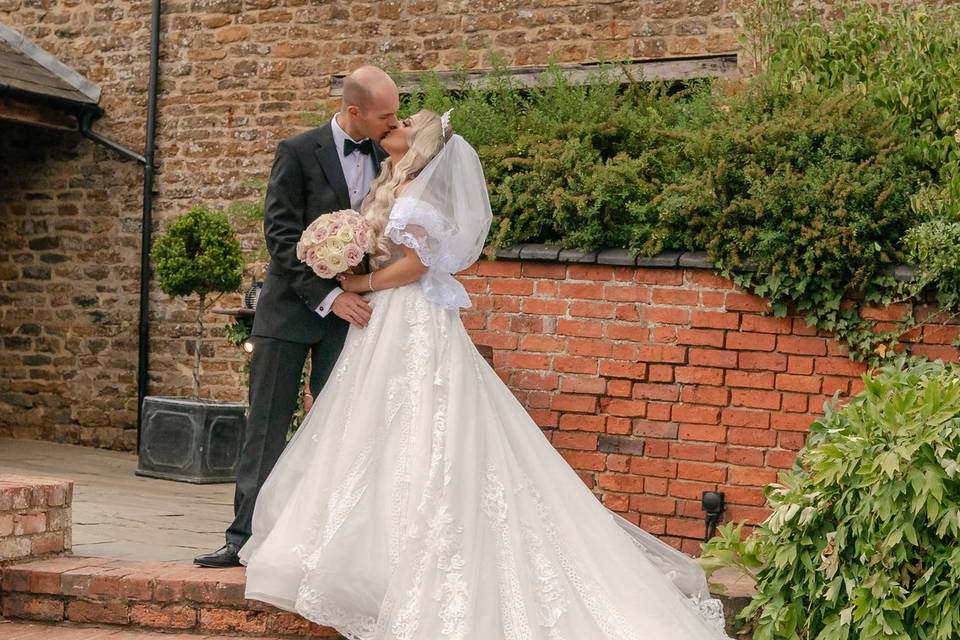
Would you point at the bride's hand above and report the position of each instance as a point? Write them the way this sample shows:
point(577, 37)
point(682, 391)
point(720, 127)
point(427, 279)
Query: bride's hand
point(354, 283)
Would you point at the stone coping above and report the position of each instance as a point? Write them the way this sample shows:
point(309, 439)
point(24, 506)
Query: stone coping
point(623, 258)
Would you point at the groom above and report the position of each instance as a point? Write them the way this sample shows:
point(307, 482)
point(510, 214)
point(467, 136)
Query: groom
point(298, 313)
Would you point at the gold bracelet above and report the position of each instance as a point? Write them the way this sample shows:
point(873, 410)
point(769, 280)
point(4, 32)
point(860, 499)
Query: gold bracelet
point(370, 280)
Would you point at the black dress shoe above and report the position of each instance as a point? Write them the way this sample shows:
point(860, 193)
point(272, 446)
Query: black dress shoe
point(226, 556)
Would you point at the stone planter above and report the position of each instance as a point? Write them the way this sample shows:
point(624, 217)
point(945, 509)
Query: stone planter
point(190, 440)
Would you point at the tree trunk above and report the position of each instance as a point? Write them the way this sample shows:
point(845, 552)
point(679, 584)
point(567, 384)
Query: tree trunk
point(198, 344)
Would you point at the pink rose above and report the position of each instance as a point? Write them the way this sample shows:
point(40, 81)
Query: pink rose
point(353, 254)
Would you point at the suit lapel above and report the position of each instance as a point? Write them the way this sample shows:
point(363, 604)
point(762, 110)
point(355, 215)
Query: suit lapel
point(329, 158)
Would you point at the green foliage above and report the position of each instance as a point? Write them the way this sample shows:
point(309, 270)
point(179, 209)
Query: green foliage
point(862, 542)
point(198, 254)
point(935, 247)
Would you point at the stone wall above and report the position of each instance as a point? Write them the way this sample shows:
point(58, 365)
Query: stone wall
point(237, 76)
point(35, 517)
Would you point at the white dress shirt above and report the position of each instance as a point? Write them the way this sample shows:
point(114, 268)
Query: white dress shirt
point(358, 171)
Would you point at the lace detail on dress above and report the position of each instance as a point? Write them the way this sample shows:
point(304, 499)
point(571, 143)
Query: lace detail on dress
point(315, 606)
point(494, 505)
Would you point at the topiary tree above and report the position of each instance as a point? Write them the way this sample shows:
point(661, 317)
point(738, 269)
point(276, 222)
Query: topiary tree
point(864, 539)
point(199, 254)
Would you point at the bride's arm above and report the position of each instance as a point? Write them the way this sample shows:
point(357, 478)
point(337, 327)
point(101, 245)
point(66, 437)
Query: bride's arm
point(403, 271)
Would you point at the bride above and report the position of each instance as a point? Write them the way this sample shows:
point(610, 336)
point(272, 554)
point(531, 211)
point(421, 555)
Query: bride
point(418, 500)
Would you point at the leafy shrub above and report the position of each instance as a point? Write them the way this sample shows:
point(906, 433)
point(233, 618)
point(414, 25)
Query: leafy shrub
point(198, 254)
point(863, 539)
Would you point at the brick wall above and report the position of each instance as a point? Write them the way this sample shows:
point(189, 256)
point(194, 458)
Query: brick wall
point(236, 78)
point(35, 517)
point(657, 384)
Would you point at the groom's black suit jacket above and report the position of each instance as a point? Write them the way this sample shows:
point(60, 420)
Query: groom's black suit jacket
point(306, 182)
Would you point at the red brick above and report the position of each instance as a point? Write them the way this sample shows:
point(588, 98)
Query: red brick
point(751, 379)
point(582, 384)
point(621, 483)
point(585, 460)
point(894, 312)
point(756, 515)
point(801, 328)
point(706, 395)
point(619, 388)
point(512, 286)
point(653, 524)
point(580, 328)
point(707, 280)
point(659, 410)
point(628, 312)
point(475, 285)
point(752, 477)
point(792, 441)
point(755, 399)
point(618, 462)
point(233, 621)
point(701, 337)
point(743, 456)
point(543, 344)
point(498, 269)
point(617, 331)
point(699, 375)
point(544, 418)
point(655, 486)
point(763, 361)
point(685, 527)
point(667, 315)
point(685, 297)
point(658, 276)
point(621, 369)
point(28, 523)
point(660, 373)
point(578, 404)
point(626, 293)
point(27, 606)
point(627, 408)
point(745, 418)
point(653, 504)
point(751, 437)
point(116, 612)
point(781, 459)
point(714, 299)
point(662, 353)
point(654, 429)
point(519, 360)
point(791, 421)
point(701, 471)
point(839, 367)
point(693, 451)
point(702, 432)
point(589, 347)
point(689, 489)
point(816, 404)
point(802, 345)
point(534, 380)
point(506, 304)
point(473, 320)
point(744, 495)
point(496, 339)
point(743, 341)
point(44, 543)
point(574, 440)
point(713, 358)
point(593, 309)
point(575, 364)
point(745, 302)
point(940, 334)
point(800, 365)
point(580, 290)
point(550, 270)
point(937, 352)
point(695, 413)
point(794, 402)
point(649, 467)
point(766, 324)
point(616, 502)
point(656, 449)
point(592, 272)
point(715, 319)
point(832, 385)
point(801, 384)
point(575, 422)
point(542, 306)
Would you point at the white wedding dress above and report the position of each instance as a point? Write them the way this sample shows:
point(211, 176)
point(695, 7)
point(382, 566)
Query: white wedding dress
point(419, 501)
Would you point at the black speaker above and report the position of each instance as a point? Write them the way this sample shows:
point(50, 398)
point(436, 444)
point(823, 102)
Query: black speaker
point(190, 440)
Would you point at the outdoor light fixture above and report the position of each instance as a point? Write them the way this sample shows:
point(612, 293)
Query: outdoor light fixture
point(712, 503)
point(248, 346)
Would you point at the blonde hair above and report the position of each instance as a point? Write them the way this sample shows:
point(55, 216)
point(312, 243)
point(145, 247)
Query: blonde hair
point(427, 137)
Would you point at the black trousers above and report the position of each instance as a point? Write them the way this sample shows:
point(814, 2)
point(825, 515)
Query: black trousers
point(275, 368)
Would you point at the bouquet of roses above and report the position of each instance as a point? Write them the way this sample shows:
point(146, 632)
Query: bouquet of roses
point(335, 242)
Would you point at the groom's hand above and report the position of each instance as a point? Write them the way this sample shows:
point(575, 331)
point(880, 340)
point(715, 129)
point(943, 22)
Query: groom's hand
point(353, 308)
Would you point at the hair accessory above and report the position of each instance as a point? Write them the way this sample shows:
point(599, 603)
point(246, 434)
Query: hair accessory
point(445, 123)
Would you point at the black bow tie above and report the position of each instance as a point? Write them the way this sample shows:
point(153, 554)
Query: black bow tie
point(365, 147)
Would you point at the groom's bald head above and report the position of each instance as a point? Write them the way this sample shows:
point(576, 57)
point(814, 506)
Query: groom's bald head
point(370, 102)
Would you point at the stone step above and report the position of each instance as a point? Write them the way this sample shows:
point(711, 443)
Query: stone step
point(166, 596)
point(13, 630)
point(178, 597)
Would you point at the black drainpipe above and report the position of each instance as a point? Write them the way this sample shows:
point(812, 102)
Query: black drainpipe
point(85, 119)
